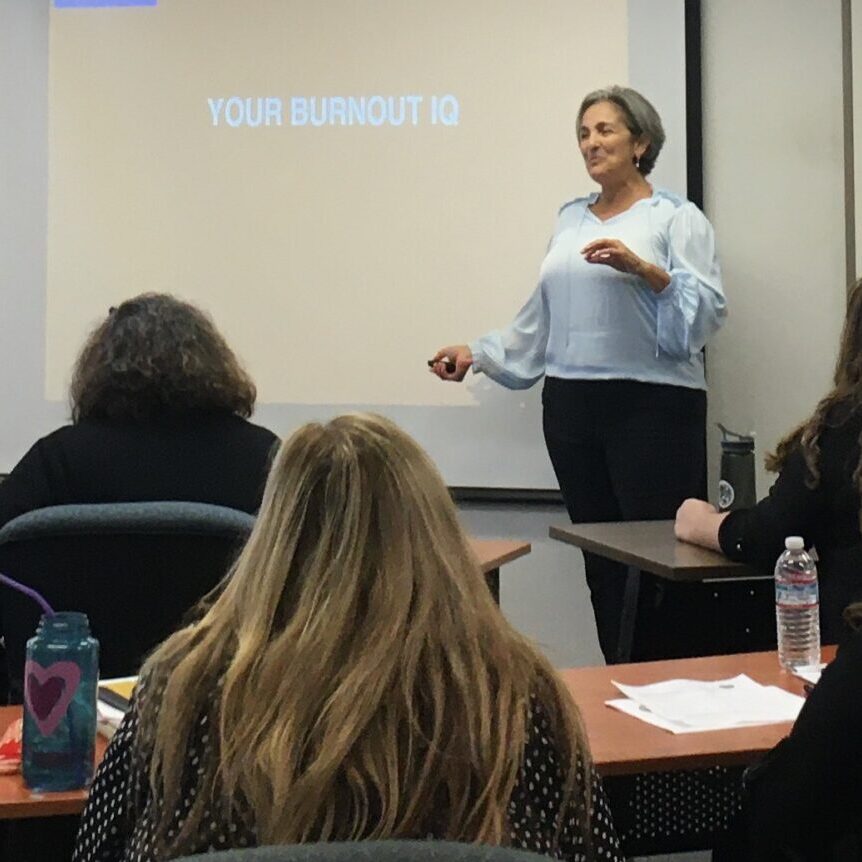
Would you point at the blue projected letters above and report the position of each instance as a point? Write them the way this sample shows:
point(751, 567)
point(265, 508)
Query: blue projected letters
point(257, 111)
point(316, 111)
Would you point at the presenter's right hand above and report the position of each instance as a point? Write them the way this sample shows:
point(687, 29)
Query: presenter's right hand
point(460, 354)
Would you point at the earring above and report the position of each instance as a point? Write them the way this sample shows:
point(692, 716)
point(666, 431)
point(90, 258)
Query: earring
point(637, 162)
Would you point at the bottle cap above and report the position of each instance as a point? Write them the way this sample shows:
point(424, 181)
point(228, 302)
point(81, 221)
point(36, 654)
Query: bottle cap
point(738, 447)
point(733, 441)
point(794, 543)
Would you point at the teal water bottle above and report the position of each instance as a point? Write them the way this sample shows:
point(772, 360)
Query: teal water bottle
point(61, 675)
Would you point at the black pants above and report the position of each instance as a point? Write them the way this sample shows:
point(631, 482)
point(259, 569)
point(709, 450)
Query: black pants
point(625, 451)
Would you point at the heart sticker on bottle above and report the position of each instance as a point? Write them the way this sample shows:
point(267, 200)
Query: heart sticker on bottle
point(48, 692)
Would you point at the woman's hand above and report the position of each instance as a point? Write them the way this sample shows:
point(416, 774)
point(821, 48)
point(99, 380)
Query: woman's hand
point(459, 354)
point(613, 252)
point(697, 522)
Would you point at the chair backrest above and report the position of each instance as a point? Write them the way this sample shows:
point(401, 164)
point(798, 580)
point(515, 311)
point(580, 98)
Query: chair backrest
point(135, 569)
point(372, 851)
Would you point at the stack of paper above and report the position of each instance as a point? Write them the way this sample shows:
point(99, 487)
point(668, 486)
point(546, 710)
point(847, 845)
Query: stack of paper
point(689, 706)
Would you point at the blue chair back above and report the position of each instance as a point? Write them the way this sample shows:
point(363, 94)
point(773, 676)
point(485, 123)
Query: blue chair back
point(135, 569)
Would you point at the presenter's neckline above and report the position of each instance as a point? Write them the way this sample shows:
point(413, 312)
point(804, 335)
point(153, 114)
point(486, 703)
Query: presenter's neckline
point(594, 196)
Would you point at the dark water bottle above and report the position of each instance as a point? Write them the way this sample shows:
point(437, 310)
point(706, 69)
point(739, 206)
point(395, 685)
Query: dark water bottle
point(736, 488)
point(60, 679)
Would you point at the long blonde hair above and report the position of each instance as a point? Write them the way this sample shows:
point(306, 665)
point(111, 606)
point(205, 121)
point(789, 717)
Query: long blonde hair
point(361, 679)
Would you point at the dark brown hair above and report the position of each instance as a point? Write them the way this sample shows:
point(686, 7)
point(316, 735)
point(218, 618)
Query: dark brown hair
point(154, 356)
point(840, 403)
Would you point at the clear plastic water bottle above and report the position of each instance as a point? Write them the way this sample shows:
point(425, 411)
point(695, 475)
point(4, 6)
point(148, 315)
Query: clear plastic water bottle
point(61, 675)
point(797, 606)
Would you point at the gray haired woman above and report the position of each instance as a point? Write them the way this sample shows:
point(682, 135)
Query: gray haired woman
point(629, 293)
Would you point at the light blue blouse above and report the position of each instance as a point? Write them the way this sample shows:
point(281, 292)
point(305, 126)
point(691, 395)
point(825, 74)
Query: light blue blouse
point(588, 321)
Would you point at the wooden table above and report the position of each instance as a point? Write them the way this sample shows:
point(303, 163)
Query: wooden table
point(17, 801)
point(622, 745)
point(493, 553)
point(650, 546)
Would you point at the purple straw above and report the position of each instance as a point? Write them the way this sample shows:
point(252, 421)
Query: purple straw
point(28, 591)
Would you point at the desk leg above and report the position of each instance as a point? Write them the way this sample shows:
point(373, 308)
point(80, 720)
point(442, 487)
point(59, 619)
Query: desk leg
point(629, 615)
point(492, 578)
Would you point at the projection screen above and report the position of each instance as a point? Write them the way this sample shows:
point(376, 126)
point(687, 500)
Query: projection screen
point(345, 185)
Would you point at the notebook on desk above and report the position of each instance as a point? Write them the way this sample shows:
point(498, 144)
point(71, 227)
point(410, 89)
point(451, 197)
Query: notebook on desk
point(114, 697)
point(117, 692)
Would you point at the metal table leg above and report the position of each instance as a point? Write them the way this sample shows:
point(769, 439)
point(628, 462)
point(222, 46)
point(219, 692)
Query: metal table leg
point(629, 614)
point(492, 578)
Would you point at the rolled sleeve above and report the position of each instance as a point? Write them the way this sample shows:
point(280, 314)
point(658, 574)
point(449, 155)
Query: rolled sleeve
point(692, 307)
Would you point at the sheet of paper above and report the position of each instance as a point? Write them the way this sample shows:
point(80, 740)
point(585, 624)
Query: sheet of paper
point(716, 704)
point(629, 707)
point(810, 673)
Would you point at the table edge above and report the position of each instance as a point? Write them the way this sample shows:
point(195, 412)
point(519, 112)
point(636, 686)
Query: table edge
point(672, 573)
point(44, 806)
point(519, 549)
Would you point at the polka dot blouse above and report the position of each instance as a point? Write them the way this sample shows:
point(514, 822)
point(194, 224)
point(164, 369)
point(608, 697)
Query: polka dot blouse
point(118, 824)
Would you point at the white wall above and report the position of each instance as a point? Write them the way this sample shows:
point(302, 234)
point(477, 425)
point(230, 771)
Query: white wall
point(543, 594)
point(774, 190)
point(23, 197)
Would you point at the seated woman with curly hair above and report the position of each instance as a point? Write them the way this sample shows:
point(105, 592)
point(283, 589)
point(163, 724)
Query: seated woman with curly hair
point(351, 679)
point(160, 409)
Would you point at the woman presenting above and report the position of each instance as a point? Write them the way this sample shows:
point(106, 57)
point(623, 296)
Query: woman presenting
point(629, 292)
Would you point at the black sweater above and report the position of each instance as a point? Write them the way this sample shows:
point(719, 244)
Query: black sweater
point(805, 799)
point(205, 458)
point(826, 516)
